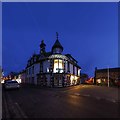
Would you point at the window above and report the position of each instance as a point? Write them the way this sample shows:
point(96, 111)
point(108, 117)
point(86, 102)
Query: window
point(29, 71)
point(68, 66)
point(73, 69)
point(57, 50)
point(32, 69)
point(78, 72)
point(32, 80)
point(41, 67)
point(47, 69)
point(58, 66)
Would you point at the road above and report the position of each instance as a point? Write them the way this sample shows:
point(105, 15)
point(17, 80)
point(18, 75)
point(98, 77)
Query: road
point(35, 102)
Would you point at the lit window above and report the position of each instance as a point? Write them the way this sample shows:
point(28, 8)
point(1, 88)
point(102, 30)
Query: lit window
point(58, 66)
point(73, 79)
point(98, 80)
point(78, 72)
point(47, 69)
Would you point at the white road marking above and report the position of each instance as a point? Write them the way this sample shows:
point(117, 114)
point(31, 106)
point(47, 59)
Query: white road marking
point(22, 114)
point(7, 115)
point(96, 97)
point(14, 108)
point(87, 95)
point(77, 94)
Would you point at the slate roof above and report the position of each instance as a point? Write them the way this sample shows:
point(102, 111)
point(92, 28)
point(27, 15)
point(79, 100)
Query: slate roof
point(47, 54)
point(57, 45)
point(110, 70)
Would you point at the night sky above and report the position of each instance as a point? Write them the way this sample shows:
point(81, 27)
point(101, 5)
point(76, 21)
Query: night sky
point(87, 31)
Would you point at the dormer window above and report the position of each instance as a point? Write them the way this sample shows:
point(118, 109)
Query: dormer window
point(57, 50)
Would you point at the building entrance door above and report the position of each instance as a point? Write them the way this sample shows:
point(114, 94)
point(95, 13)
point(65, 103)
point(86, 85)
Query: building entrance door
point(68, 80)
point(58, 80)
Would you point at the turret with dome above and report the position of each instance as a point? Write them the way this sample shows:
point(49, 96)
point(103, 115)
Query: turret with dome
point(57, 47)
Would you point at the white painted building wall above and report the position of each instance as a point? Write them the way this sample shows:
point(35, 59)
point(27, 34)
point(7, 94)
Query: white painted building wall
point(27, 75)
point(23, 77)
point(66, 66)
point(36, 71)
point(48, 79)
point(75, 70)
point(46, 65)
point(71, 68)
point(30, 74)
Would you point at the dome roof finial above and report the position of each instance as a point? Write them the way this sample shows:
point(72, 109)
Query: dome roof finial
point(57, 45)
point(57, 35)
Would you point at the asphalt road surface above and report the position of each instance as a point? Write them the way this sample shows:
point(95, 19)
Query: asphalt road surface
point(35, 102)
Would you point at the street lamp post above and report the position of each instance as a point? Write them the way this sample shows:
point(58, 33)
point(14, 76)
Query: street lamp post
point(108, 78)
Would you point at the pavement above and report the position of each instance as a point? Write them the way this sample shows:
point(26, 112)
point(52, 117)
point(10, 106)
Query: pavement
point(100, 92)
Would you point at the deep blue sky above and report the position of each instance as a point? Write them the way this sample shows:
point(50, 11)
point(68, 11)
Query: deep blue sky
point(87, 31)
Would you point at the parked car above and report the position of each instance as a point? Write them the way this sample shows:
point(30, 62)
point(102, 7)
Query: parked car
point(11, 84)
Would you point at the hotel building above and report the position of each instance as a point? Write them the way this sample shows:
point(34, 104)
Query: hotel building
point(53, 68)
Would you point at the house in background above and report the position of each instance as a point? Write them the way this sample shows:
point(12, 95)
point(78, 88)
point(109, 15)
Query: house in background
point(83, 78)
point(52, 68)
point(1, 74)
point(111, 75)
point(22, 76)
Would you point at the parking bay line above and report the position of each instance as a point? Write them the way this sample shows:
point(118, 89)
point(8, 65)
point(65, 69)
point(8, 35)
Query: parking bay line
point(96, 97)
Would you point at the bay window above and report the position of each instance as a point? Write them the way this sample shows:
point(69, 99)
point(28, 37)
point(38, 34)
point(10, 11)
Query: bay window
point(58, 66)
